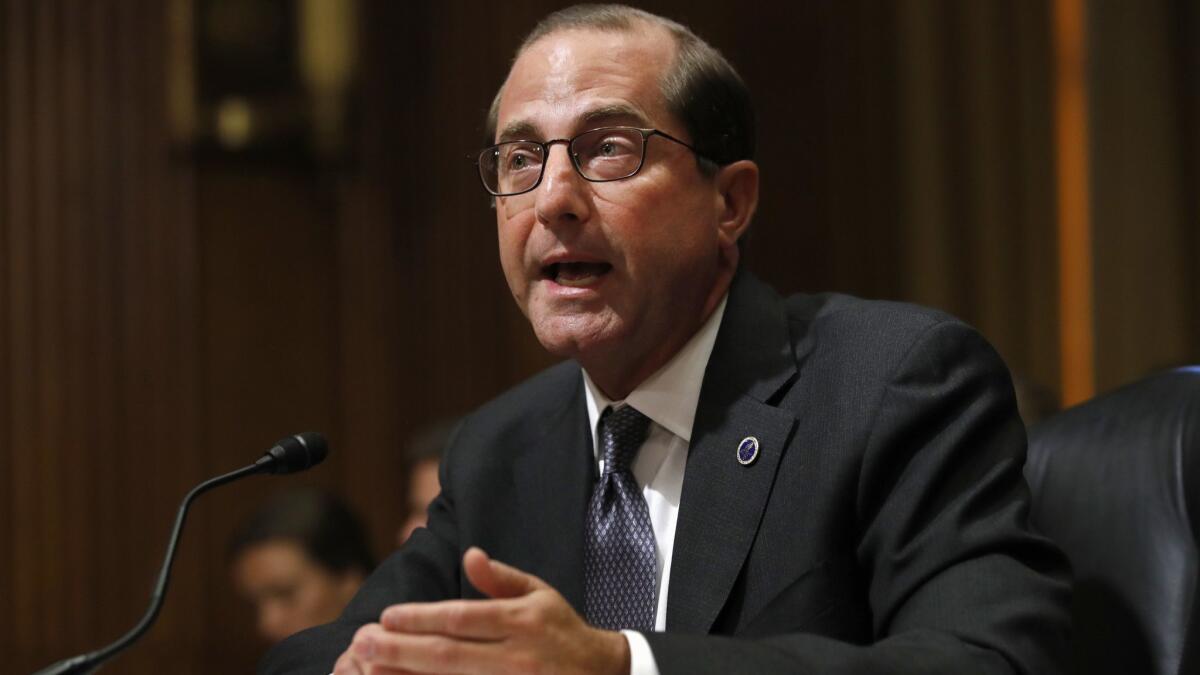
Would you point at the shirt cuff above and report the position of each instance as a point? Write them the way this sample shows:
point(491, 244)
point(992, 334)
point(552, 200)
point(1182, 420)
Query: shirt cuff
point(641, 658)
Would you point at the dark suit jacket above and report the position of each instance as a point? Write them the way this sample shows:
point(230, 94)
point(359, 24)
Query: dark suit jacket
point(882, 529)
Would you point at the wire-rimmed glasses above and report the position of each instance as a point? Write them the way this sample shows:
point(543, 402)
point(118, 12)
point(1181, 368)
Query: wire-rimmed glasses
point(599, 155)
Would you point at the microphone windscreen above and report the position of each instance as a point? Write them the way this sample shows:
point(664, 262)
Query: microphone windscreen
point(298, 452)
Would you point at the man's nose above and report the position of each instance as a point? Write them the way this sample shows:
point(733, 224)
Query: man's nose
point(562, 196)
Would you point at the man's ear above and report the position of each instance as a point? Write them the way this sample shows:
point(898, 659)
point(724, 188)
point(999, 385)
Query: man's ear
point(737, 189)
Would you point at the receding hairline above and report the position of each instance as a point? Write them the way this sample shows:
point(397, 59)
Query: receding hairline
point(641, 22)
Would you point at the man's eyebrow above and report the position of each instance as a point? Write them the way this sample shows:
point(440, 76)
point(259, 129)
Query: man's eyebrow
point(518, 130)
point(616, 110)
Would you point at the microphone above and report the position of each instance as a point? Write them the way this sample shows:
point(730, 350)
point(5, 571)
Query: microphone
point(292, 454)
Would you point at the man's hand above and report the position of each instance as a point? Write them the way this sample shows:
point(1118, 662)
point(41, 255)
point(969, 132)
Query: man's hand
point(526, 627)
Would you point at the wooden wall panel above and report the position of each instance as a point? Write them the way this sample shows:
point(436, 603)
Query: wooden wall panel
point(1144, 87)
point(7, 493)
point(975, 222)
point(98, 323)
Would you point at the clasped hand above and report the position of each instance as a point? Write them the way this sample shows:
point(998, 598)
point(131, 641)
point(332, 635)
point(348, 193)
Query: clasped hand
point(524, 626)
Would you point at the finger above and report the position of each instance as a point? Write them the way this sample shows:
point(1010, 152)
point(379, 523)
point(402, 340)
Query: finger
point(346, 665)
point(466, 619)
point(381, 651)
point(495, 579)
point(378, 670)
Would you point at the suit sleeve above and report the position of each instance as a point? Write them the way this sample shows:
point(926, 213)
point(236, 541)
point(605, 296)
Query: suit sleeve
point(957, 581)
point(425, 569)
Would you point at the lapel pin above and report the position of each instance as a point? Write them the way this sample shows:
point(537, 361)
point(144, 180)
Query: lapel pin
point(747, 450)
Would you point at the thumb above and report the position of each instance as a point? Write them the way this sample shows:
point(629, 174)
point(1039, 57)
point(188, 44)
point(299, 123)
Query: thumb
point(495, 579)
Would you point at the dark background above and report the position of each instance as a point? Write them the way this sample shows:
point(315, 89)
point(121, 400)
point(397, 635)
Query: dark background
point(169, 307)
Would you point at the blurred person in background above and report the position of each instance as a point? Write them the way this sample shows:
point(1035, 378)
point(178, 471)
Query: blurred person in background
point(423, 455)
point(299, 559)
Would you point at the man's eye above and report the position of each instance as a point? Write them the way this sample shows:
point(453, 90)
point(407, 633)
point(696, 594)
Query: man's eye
point(613, 148)
point(519, 160)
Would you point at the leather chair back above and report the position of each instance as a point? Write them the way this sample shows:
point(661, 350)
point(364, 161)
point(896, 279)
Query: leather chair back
point(1116, 483)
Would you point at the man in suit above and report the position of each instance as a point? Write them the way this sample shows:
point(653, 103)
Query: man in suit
point(718, 480)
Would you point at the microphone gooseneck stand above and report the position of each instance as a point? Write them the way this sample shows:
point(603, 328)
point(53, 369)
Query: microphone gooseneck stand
point(280, 459)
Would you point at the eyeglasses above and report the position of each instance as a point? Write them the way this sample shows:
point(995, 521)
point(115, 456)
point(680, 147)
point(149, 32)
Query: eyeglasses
point(599, 155)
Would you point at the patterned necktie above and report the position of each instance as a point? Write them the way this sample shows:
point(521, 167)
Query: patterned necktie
point(619, 554)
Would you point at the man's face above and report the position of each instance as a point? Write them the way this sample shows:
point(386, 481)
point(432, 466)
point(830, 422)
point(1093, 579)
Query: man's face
point(617, 275)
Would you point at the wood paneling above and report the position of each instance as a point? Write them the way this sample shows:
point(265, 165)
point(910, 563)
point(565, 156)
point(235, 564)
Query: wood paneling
point(974, 223)
point(164, 319)
point(99, 435)
point(1144, 74)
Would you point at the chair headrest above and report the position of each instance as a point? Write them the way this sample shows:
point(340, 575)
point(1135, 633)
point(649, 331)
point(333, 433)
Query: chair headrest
point(1116, 483)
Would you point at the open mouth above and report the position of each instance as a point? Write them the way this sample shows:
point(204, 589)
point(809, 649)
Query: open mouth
point(576, 274)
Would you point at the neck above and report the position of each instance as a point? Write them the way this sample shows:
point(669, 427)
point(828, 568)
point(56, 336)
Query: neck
point(618, 381)
point(616, 374)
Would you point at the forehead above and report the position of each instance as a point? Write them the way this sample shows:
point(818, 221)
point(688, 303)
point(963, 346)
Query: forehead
point(271, 560)
point(567, 79)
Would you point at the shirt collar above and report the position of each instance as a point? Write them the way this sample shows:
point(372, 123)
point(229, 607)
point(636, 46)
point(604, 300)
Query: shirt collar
point(669, 396)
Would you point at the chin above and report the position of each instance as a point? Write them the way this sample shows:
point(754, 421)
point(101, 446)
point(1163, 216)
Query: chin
point(575, 336)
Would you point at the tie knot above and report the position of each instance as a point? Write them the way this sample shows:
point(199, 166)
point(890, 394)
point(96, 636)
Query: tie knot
point(621, 434)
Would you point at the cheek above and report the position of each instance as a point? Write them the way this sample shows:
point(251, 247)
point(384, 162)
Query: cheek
point(508, 208)
point(512, 235)
point(509, 234)
point(514, 271)
point(658, 222)
point(677, 242)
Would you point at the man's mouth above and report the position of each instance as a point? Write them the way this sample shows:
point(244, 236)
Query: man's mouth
point(576, 274)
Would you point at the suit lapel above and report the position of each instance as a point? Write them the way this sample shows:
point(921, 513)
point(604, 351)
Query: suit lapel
point(554, 477)
point(722, 501)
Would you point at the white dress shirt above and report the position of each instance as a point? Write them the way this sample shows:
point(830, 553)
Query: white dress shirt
point(668, 398)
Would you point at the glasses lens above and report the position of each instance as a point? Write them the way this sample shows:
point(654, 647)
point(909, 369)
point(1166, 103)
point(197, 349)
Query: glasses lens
point(509, 168)
point(608, 154)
